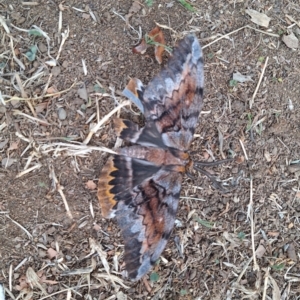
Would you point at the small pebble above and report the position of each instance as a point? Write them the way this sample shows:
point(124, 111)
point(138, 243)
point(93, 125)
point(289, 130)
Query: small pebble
point(62, 114)
point(55, 71)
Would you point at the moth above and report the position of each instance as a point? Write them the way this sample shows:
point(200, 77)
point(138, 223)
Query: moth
point(140, 185)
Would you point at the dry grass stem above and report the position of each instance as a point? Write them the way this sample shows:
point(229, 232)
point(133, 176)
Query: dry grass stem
point(18, 112)
point(259, 82)
point(237, 30)
point(10, 273)
point(266, 284)
point(58, 187)
point(28, 170)
point(21, 65)
point(250, 216)
point(104, 120)
point(41, 97)
point(3, 23)
point(74, 149)
point(19, 225)
point(2, 126)
point(64, 35)
point(244, 150)
point(31, 3)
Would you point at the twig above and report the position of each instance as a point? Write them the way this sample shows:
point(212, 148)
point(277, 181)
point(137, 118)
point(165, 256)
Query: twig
point(28, 170)
point(244, 150)
point(250, 215)
point(59, 189)
point(237, 30)
point(25, 230)
point(40, 97)
point(18, 112)
point(104, 120)
point(259, 82)
point(266, 284)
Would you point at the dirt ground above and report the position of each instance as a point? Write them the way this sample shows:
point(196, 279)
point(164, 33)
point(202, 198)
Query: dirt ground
point(51, 103)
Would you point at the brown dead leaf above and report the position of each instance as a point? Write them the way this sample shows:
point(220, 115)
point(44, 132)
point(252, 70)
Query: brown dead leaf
point(51, 253)
point(157, 36)
point(240, 159)
point(141, 47)
point(23, 284)
point(52, 90)
point(13, 146)
point(41, 107)
point(273, 233)
point(291, 252)
point(91, 185)
point(135, 7)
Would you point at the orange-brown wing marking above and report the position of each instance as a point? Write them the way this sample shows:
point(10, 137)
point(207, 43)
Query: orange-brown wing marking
point(117, 180)
point(147, 222)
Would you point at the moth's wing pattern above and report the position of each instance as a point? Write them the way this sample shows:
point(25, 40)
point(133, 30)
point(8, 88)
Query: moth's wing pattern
point(146, 136)
point(144, 199)
point(117, 180)
point(147, 222)
point(173, 99)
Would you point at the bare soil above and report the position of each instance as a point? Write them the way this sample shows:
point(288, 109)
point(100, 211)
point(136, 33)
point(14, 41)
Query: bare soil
point(210, 253)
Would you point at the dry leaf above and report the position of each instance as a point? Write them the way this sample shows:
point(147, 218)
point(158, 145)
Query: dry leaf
point(241, 78)
point(158, 38)
point(51, 90)
point(273, 233)
point(258, 18)
point(135, 7)
point(291, 41)
point(91, 185)
point(260, 251)
point(23, 284)
point(141, 47)
point(51, 253)
point(41, 107)
point(13, 146)
point(291, 252)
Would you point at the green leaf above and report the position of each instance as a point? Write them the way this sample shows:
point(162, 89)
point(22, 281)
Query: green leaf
point(211, 55)
point(31, 53)
point(99, 89)
point(154, 277)
point(187, 5)
point(261, 59)
point(149, 2)
point(183, 292)
point(249, 124)
point(204, 222)
point(34, 32)
point(233, 83)
point(278, 267)
point(241, 235)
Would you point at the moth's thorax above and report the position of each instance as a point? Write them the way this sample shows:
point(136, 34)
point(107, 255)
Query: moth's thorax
point(157, 156)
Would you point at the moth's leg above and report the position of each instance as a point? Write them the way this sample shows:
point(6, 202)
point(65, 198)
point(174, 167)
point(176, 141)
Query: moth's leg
point(216, 183)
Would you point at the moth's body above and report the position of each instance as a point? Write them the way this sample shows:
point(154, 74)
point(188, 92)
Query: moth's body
point(141, 184)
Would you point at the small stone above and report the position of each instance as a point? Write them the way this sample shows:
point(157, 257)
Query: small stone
point(42, 47)
point(2, 109)
point(62, 114)
point(85, 16)
point(55, 71)
point(107, 16)
point(65, 64)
